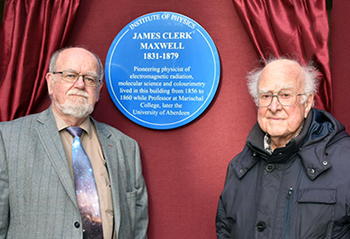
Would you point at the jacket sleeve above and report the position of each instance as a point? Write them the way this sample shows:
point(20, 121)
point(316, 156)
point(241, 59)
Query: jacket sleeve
point(223, 223)
point(4, 192)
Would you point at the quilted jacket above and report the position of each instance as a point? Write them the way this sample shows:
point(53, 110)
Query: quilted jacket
point(300, 191)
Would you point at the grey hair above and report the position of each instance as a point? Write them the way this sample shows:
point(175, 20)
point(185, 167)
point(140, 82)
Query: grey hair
point(55, 55)
point(310, 73)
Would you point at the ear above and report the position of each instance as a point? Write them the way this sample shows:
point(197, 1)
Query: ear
point(308, 104)
point(49, 82)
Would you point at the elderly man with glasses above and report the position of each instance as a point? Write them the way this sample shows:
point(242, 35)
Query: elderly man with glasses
point(292, 178)
point(64, 174)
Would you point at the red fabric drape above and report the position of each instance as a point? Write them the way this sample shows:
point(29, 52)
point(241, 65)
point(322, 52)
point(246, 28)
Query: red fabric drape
point(31, 31)
point(294, 28)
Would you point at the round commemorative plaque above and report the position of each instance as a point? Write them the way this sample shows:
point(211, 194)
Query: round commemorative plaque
point(162, 70)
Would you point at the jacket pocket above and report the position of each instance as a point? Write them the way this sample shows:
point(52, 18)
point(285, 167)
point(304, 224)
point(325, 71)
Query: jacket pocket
point(132, 206)
point(316, 212)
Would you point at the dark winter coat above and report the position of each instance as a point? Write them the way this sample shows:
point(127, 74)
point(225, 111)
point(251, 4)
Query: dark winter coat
point(301, 191)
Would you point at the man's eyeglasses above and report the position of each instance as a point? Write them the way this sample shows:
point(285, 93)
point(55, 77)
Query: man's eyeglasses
point(72, 77)
point(285, 98)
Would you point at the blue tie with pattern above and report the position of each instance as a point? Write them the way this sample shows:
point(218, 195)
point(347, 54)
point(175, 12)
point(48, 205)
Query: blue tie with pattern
point(85, 188)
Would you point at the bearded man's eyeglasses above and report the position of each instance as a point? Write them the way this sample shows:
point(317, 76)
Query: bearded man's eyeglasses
point(72, 77)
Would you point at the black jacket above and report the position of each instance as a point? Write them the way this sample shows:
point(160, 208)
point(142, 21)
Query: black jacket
point(300, 191)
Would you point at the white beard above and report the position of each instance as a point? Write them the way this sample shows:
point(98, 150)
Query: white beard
point(78, 108)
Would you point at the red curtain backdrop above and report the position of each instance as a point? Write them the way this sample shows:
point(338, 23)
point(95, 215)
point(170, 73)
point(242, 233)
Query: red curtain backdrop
point(294, 28)
point(31, 31)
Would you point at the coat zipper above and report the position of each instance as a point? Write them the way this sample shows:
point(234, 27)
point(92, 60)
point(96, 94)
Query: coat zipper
point(286, 224)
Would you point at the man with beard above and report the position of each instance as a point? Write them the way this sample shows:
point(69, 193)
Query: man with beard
point(40, 190)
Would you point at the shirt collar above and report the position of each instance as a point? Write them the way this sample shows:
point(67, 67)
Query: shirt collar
point(61, 124)
point(267, 139)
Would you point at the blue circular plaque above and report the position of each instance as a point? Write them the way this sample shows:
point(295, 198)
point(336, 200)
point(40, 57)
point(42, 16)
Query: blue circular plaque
point(162, 70)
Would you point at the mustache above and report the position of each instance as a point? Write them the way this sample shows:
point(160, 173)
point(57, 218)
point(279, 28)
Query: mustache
point(78, 92)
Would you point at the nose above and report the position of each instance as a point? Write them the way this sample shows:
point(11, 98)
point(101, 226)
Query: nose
point(80, 82)
point(275, 104)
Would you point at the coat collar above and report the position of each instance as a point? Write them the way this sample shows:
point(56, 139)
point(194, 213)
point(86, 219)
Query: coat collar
point(112, 150)
point(310, 146)
point(50, 138)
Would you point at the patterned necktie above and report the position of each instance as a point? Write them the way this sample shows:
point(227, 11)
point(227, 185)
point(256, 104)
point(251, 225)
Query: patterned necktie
point(85, 188)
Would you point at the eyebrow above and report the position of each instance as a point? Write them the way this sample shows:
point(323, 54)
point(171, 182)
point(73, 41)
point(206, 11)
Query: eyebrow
point(94, 74)
point(269, 91)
